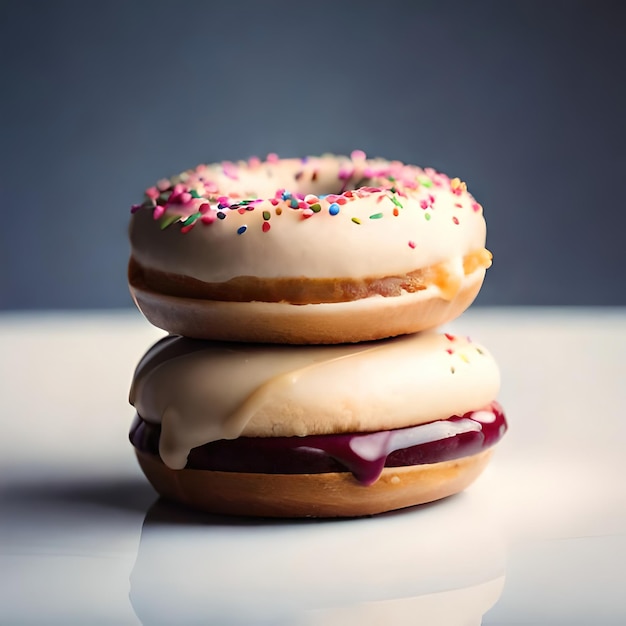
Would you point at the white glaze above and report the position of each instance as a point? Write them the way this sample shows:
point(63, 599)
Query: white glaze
point(322, 246)
point(221, 391)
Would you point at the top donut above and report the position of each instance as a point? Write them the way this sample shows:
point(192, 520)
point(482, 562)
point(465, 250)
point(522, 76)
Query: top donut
point(327, 249)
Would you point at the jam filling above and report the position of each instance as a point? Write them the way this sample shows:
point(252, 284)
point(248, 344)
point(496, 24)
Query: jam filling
point(363, 454)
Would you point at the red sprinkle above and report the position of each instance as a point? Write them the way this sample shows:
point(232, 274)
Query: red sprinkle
point(266, 226)
point(455, 219)
point(412, 244)
point(449, 337)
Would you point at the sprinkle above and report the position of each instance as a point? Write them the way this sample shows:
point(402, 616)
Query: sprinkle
point(334, 208)
point(184, 197)
point(307, 213)
point(452, 369)
point(476, 207)
point(204, 208)
point(191, 219)
point(272, 157)
point(163, 184)
point(376, 216)
point(316, 208)
point(427, 216)
point(463, 357)
point(311, 198)
point(294, 204)
point(396, 201)
point(152, 192)
point(341, 200)
point(266, 215)
point(186, 229)
point(426, 183)
point(209, 218)
point(449, 337)
point(242, 229)
point(303, 205)
point(479, 351)
point(455, 219)
point(358, 155)
point(423, 204)
point(265, 227)
point(356, 220)
point(458, 205)
point(449, 350)
point(135, 207)
point(167, 221)
point(158, 211)
point(194, 194)
point(278, 210)
point(412, 245)
point(221, 216)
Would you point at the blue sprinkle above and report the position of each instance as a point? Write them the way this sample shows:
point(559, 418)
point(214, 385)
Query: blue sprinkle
point(221, 205)
point(221, 216)
point(241, 230)
point(334, 208)
point(286, 195)
point(293, 203)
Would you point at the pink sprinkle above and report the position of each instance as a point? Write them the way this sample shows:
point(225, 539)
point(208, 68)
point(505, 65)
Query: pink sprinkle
point(311, 198)
point(431, 198)
point(209, 218)
point(158, 211)
point(455, 219)
point(358, 155)
point(152, 193)
point(274, 201)
point(458, 204)
point(476, 207)
point(412, 244)
point(272, 157)
point(308, 213)
point(163, 184)
point(223, 200)
point(265, 227)
point(185, 197)
point(331, 197)
point(303, 205)
point(178, 189)
point(254, 162)
point(204, 208)
point(424, 204)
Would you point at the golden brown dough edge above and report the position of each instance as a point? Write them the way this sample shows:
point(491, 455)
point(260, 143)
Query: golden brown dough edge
point(274, 322)
point(311, 495)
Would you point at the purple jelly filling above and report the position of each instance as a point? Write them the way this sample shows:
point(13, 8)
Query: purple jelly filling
point(363, 454)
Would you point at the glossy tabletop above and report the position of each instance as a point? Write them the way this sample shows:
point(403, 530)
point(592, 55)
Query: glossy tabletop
point(540, 538)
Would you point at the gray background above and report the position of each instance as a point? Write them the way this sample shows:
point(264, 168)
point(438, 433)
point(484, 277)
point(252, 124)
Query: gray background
point(525, 100)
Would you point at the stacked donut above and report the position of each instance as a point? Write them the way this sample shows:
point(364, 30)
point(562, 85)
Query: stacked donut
point(301, 375)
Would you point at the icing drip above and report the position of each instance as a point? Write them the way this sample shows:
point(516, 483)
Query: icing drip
point(363, 454)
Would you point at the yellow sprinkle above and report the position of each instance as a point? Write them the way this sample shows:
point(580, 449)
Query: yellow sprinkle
point(463, 357)
point(457, 183)
point(356, 220)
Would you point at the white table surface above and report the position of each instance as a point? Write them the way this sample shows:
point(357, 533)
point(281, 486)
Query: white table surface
point(542, 534)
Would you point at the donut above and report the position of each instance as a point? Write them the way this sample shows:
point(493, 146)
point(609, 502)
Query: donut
point(318, 250)
point(323, 431)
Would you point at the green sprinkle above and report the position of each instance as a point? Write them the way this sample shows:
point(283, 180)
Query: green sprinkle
point(396, 201)
point(316, 208)
point(426, 183)
point(479, 351)
point(168, 220)
point(192, 218)
point(426, 216)
point(266, 215)
point(376, 216)
point(195, 194)
point(356, 220)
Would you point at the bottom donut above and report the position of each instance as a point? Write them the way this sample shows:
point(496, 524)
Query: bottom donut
point(332, 494)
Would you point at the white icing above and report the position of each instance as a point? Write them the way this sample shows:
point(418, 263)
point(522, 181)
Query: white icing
point(378, 445)
point(225, 390)
point(322, 246)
